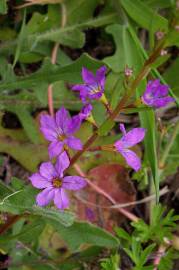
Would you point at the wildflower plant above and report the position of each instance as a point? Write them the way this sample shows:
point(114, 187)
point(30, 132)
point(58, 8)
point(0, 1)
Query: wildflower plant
point(60, 129)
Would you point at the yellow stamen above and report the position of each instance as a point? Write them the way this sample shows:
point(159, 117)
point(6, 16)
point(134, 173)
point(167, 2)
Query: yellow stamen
point(62, 137)
point(57, 183)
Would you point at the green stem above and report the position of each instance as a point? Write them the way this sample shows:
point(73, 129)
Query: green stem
point(169, 146)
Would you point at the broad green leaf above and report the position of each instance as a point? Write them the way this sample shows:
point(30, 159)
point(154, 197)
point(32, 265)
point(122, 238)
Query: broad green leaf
point(148, 121)
point(158, 3)
point(23, 201)
point(52, 73)
point(171, 76)
point(172, 38)
point(56, 33)
point(80, 11)
point(144, 16)
point(28, 124)
point(106, 127)
point(116, 61)
point(27, 154)
point(7, 33)
point(37, 99)
point(72, 37)
point(81, 233)
point(114, 87)
point(124, 49)
point(20, 40)
point(3, 7)
point(29, 233)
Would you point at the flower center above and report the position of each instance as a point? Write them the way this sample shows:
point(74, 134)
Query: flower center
point(94, 89)
point(62, 137)
point(57, 183)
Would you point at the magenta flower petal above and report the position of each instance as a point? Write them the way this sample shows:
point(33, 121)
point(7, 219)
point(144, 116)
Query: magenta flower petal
point(49, 134)
point(85, 111)
point(62, 118)
point(130, 139)
point(131, 158)
point(133, 137)
point(100, 75)
point(161, 91)
point(78, 87)
point(73, 182)
point(73, 125)
point(74, 143)
point(161, 102)
point(44, 197)
point(88, 76)
point(62, 163)
point(55, 148)
point(38, 181)
point(48, 127)
point(61, 200)
point(122, 129)
point(48, 122)
point(47, 170)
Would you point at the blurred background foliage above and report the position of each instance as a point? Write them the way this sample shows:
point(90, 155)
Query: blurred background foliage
point(90, 33)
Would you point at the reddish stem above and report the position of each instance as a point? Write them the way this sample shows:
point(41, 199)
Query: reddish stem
point(53, 61)
point(85, 147)
point(159, 255)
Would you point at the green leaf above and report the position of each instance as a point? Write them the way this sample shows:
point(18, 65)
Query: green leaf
point(20, 40)
point(159, 3)
point(148, 121)
point(81, 233)
point(3, 7)
point(144, 16)
point(28, 233)
point(72, 37)
point(27, 154)
point(171, 76)
point(28, 124)
point(172, 38)
point(121, 233)
point(80, 11)
point(7, 33)
point(124, 49)
point(53, 34)
point(52, 73)
point(23, 201)
point(106, 127)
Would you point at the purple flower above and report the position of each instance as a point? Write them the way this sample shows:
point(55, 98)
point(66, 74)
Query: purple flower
point(50, 178)
point(129, 139)
point(85, 111)
point(93, 86)
point(156, 94)
point(59, 131)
